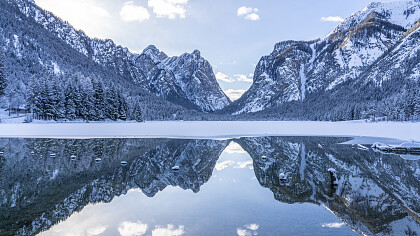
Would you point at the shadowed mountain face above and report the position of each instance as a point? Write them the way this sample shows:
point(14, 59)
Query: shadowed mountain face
point(45, 181)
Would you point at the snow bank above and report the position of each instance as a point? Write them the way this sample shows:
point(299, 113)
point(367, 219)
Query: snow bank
point(213, 129)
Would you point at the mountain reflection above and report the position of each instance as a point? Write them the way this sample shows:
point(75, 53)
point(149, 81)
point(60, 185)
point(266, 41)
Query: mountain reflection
point(376, 194)
point(44, 181)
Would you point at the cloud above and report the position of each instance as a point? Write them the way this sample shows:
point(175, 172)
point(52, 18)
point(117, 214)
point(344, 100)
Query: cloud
point(332, 19)
point(225, 78)
point(248, 13)
point(169, 8)
point(244, 78)
point(234, 94)
point(253, 227)
point(238, 77)
point(130, 228)
point(335, 225)
point(130, 12)
point(252, 16)
point(234, 148)
point(250, 230)
point(169, 230)
point(86, 15)
point(97, 230)
point(244, 164)
point(223, 165)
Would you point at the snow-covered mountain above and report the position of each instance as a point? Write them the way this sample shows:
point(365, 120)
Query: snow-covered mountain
point(358, 49)
point(187, 80)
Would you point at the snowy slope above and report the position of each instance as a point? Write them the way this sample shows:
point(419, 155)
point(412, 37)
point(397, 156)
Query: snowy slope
point(404, 13)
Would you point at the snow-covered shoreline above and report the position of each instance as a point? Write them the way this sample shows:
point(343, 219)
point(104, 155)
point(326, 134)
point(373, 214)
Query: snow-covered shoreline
point(213, 129)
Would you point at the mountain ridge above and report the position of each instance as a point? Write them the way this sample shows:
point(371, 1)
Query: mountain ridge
point(300, 73)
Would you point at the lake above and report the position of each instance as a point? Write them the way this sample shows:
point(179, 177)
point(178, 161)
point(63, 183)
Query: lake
point(243, 186)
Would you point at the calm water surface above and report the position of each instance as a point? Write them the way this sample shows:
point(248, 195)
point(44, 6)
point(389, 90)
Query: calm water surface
point(247, 186)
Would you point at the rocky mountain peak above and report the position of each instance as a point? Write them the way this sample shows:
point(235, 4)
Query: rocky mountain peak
point(197, 55)
point(154, 53)
point(404, 13)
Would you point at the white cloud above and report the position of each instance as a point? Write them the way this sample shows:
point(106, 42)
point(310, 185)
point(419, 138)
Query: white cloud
point(170, 230)
point(97, 230)
point(238, 77)
point(332, 19)
point(169, 8)
point(253, 227)
point(244, 78)
point(234, 94)
point(225, 78)
point(252, 16)
point(246, 10)
point(223, 165)
point(234, 148)
point(245, 164)
point(252, 230)
point(335, 225)
point(130, 228)
point(86, 15)
point(243, 232)
point(130, 12)
point(248, 13)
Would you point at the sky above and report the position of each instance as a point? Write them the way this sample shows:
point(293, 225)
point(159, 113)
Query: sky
point(231, 34)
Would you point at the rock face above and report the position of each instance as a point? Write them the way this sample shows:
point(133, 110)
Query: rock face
point(362, 48)
point(187, 80)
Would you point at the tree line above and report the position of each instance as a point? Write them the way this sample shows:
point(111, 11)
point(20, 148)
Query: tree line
point(56, 98)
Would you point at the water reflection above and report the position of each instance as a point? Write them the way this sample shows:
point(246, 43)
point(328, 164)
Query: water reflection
point(44, 181)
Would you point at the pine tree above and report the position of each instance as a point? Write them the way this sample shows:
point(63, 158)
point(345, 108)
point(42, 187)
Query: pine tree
point(123, 107)
point(3, 81)
point(99, 99)
point(137, 114)
point(49, 101)
point(70, 106)
point(112, 103)
point(58, 101)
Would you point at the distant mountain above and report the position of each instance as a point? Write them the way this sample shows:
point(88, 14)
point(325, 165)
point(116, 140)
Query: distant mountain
point(40, 44)
point(377, 47)
point(188, 79)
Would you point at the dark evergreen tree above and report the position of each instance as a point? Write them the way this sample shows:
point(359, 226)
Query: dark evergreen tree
point(137, 114)
point(70, 98)
point(3, 81)
point(123, 107)
point(99, 100)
